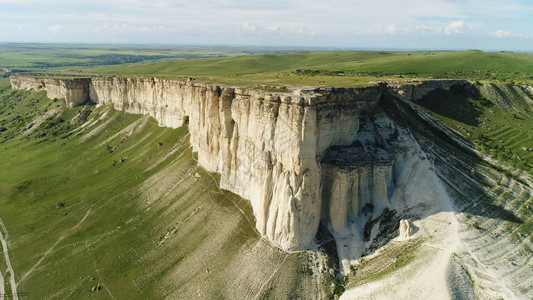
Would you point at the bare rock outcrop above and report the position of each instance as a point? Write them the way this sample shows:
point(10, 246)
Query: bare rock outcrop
point(75, 90)
point(406, 229)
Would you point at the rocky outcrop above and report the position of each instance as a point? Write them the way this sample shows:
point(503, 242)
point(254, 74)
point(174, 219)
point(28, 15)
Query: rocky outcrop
point(417, 90)
point(359, 179)
point(75, 91)
point(406, 229)
point(298, 157)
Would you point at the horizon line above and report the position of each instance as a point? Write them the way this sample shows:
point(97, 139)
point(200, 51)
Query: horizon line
point(275, 47)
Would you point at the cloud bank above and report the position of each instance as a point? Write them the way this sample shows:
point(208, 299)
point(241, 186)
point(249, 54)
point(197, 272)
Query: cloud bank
point(443, 24)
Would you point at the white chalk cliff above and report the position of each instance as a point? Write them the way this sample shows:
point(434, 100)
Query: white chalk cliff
point(301, 158)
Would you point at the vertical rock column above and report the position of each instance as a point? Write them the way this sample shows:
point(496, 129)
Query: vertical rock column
point(381, 186)
point(341, 198)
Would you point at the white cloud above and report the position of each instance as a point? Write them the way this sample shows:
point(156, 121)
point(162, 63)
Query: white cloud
point(429, 29)
point(123, 28)
point(273, 27)
point(502, 34)
point(455, 27)
point(391, 29)
point(249, 26)
point(278, 29)
point(55, 28)
point(433, 28)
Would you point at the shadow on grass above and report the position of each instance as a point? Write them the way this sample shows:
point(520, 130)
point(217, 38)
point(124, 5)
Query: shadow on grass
point(456, 104)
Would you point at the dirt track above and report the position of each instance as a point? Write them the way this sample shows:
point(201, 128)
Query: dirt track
point(4, 235)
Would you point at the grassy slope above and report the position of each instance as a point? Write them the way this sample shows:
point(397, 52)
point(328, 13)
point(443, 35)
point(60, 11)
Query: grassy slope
point(150, 225)
point(498, 121)
point(495, 200)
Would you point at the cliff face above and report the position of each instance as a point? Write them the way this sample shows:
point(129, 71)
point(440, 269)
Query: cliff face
point(75, 91)
point(299, 158)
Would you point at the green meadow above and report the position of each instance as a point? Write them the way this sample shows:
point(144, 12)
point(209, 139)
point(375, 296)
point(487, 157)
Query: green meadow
point(267, 67)
point(346, 68)
point(47, 58)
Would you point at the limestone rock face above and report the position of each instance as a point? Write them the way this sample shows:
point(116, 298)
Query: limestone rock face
point(406, 229)
point(75, 91)
point(300, 158)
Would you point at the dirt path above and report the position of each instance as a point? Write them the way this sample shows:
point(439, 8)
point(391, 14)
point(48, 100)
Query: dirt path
point(3, 238)
point(52, 248)
point(2, 289)
point(98, 272)
point(266, 282)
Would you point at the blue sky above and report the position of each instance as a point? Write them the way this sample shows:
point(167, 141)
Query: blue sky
point(390, 24)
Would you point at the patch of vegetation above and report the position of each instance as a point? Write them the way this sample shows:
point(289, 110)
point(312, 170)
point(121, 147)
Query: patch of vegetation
point(395, 257)
point(19, 109)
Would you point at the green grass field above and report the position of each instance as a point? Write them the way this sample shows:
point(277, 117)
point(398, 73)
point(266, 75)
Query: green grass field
point(252, 67)
point(47, 58)
point(347, 68)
